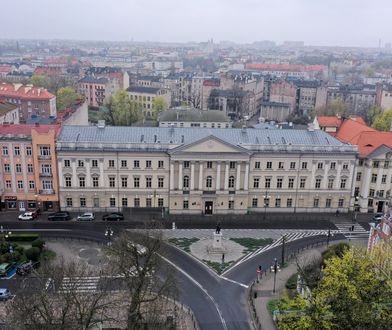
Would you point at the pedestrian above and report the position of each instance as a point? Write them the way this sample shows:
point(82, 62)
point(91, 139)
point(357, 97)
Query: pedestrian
point(223, 258)
point(337, 213)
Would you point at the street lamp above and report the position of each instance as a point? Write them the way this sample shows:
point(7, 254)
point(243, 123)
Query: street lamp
point(283, 247)
point(275, 268)
point(329, 235)
point(266, 197)
point(109, 233)
point(7, 235)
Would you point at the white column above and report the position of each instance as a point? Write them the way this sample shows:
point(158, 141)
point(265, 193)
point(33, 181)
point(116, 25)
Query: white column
point(60, 172)
point(74, 181)
point(365, 186)
point(101, 178)
point(171, 176)
point(88, 175)
point(227, 176)
point(218, 176)
point(238, 176)
point(201, 176)
point(312, 177)
point(192, 176)
point(180, 178)
point(246, 179)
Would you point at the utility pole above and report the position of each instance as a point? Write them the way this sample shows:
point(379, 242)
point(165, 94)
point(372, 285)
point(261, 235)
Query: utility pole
point(275, 268)
point(283, 247)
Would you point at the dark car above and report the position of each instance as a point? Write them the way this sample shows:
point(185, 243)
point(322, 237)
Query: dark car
point(26, 267)
point(377, 218)
point(113, 217)
point(59, 216)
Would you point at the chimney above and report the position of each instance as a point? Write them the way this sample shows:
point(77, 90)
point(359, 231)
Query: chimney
point(101, 124)
point(311, 127)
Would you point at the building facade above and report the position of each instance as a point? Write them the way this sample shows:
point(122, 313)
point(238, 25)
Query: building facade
point(145, 97)
point(97, 91)
point(28, 167)
point(9, 113)
point(201, 171)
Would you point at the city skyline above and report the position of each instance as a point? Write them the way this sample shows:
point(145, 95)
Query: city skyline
point(331, 23)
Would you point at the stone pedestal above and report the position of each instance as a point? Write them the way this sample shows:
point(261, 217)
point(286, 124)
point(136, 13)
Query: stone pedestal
point(218, 244)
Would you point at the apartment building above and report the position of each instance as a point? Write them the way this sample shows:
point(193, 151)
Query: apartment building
point(9, 113)
point(202, 171)
point(384, 96)
point(97, 91)
point(30, 100)
point(119, 76)
point(28, 167)
point(310, 95)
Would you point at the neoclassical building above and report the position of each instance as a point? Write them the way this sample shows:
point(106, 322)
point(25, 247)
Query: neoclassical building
point(196, 171)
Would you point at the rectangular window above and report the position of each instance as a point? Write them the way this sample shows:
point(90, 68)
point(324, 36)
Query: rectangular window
point(124, 163)
point(371, 192)
point(386, 164)
point(185, 205)
point(341, 202)
point(266, 202)
point(209, 164)
point(46, 169)
point(160, 182)
point(381, 193)
point(320, 166)
point(333, 166)
point(304, 165)
point(136, 182)
point(8, 184)
point(316, 202)
point(384, 178)
point(124, 182)
point(82, 202)
point(5, 151)
point(256, 182)
point(148, 182)
point(289, 202)
point(328, 202)
point(44, 151)
point(292, 165)
point(374, 178)
point(136, 164)
point(29, 151)
point(356, 191)
point(257, 165)
point(6, 168)
point(277, 202)
point(186, 164)
point(18, 168)
point(136, 202)
point(376, 164)
point(254, 202)
point(269, 165)
point(370, 203)
point(360, 163)
point(345, 166)
point(69, 201)
point(124, 202)
point(94, 163)
point(281, 165)
point(160, 163)
point(20, 184)
point(148, 202)
point(291, 183)
point(279, 183)
point(68, 182)
point(112, 202)
point(82, 181)
point(359, 176)
point(343, 183)
point(67, 163)
point(160, 202)
point(231, 205)
point(267, 183)
point(330, 183)
point(17, 151)
point(47, 185)
point(232, 165)
point(302, 182)
point(318, 183)
point(80, 163)
point(31, 184)
point(95, 181)
point(111, 163)
point(112, 181)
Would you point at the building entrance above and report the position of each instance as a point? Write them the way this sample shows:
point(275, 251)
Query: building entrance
point(208, 207)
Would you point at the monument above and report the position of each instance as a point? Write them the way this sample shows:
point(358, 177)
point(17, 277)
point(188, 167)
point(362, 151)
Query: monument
point(217, 244)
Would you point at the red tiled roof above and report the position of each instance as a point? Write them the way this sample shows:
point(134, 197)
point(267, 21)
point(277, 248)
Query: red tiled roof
point(329, 121)
point(6, 68)
point(47, 71)
point(284, 67)
point(24, 92)
point(350, 131)
point(26, 129)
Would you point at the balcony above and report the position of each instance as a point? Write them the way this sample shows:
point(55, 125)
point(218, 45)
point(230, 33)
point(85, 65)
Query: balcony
point(44, 157)
point(209, 192)
point(47, 192)
point(185, 192)
point(46, 174)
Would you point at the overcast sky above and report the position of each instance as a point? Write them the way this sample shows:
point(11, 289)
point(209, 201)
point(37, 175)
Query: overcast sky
point(317, 22)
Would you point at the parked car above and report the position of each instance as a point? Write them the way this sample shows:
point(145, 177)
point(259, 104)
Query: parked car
point(26, 267)
point(87, 216)
point(377, 218)
point(5, 268)
point(59, 216)
point(26, 216)
point(5, 294)
point(115, 216)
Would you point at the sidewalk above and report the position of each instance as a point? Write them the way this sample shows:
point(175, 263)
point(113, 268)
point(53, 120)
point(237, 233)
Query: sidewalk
point(265, 287)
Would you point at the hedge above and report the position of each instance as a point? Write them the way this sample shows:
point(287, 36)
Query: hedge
point(20, 237)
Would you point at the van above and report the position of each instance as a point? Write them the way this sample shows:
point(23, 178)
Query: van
point(5, 294)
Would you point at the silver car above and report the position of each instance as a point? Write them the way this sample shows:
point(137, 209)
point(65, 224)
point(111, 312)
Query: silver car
point(87, 216)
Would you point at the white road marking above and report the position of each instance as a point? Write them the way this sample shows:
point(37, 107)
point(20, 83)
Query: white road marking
point(235, 282)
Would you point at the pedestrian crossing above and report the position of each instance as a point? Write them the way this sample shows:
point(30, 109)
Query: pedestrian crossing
point(86, 284)
point(352, 231)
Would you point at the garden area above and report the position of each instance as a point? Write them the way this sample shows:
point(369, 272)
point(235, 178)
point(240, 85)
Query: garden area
point(252, 244)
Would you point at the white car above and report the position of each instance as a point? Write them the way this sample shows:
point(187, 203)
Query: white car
point(88, 216)
point(26, 216)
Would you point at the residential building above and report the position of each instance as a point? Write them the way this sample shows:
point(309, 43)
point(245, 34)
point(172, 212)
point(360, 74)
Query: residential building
point(30, 100)
point(189, 117)
point(120, 77)
point(331, 124)
point(293, 71)
point(310, 95)
point(384, 96)
point(283, 91)
point(275, 111)
point(145, 96)
point(9, 113)
point(28, 167)
point(203, 171)
point(97, 91)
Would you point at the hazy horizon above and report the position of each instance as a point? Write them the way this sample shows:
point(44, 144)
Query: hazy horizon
point(348, 23)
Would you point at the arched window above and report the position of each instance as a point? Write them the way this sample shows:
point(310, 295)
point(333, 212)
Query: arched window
point(186, 181)
point(209, 182)
point(231, 182)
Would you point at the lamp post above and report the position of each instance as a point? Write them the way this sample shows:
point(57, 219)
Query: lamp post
point(266, 197)
point(109, 233)
point(275, 268)
point(283, 247)
point(329, 235)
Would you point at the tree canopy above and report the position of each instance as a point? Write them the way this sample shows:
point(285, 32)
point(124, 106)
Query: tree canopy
point(65, 97)
point(383, 121)
point(336, 107)
point(159, 104)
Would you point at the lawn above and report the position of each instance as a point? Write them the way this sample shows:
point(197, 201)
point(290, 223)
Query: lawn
point(218, 267)
point(252, 244)
point(183, 243)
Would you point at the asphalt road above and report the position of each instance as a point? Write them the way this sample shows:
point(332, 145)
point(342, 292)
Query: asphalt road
point(217, 303)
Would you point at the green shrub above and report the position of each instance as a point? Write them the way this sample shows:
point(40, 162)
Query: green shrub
point(20, 237)
point(291, 283)
point(47, 255)
point(33, 253)
point(39, 243)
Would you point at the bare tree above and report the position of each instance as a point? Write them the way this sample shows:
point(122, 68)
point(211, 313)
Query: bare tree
point(309, 268)
point(148, 280)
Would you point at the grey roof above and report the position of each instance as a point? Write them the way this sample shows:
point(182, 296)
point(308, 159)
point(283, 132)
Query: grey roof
point(150, 78)
point(143, 89)
point(193, 115)
point(169, 138)
point(91, 79)
point(275, 104)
